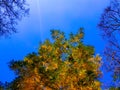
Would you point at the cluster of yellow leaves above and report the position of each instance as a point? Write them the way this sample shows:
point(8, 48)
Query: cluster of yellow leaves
point(49, 71)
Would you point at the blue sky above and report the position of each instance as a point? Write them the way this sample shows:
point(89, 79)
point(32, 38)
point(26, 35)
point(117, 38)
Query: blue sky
point(65, 15)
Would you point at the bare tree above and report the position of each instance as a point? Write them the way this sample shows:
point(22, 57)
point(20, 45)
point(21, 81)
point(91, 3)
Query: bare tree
point(10, 12)
point(110, 27)
point(110, 19)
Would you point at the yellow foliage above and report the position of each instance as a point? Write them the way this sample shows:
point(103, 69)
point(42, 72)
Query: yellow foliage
point(49, 71)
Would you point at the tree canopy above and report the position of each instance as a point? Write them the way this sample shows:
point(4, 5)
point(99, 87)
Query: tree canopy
point(10, 12)
point(110, 19)
point(110, 27)
point(60, 64)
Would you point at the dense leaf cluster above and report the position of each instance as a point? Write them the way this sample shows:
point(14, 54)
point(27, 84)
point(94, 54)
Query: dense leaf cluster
point(61, 64)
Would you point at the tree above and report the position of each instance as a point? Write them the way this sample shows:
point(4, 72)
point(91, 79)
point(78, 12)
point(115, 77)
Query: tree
point(110, 27)
point(60, 64)
point(110, 19)
point(10, 12)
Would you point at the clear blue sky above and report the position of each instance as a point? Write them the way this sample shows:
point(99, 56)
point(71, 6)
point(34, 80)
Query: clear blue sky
point(65, 15)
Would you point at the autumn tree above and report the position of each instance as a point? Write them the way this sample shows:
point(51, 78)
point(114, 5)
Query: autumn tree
point(110, 27)
point(60, 64)
point(10, 12)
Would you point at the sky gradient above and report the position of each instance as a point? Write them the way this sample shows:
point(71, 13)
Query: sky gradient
point(65, 15)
